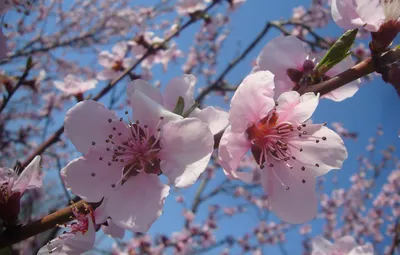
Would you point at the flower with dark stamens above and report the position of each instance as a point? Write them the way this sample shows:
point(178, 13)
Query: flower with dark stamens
point(79, 239)
point(122, 161)
point(290, 153)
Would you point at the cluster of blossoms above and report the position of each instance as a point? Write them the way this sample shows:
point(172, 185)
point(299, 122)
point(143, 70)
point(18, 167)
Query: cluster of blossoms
point(167, 134)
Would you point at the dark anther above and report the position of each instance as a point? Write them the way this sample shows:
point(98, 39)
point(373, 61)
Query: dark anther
point(109, 120)
point(303, 168)
point(93, 174)
point(93, 143)
point(317, 141)
point(324, 138)
point(317, 165)
point(303, 181)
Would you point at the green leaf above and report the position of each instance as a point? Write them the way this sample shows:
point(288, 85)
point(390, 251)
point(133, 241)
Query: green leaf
point(398, 46)
point(190, 110)
point(180, 106)
point(339, 51)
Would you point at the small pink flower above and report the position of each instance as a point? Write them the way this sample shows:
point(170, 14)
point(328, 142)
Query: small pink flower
point(290, 153)
point(184, 87)
point(12, 187)
point(371, 14)
point(343, 246)
point(78, 240)
point(122, 161)
point(74, 85)
point(115, 62)
point(289, 61)
point(185, 7)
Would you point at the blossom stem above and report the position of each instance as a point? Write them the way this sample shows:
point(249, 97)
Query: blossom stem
point(14, 235)
point(360, 70)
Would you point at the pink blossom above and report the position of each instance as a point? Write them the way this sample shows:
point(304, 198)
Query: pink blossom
point(184, 7)
point(288, 60)
point(182, 87)
point(371, 14)
point(343, 246)
point(78, 240)
point(290, 153)
point(12, 187)
point(114, 62)
point(74, 85)
point(140, 46)
point(123, 161)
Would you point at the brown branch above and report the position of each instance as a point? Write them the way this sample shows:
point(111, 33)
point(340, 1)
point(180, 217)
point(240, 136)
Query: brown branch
point(231, 65)
point(7, 99)
point(54, 138)
point(360, 70)
point(14, 235)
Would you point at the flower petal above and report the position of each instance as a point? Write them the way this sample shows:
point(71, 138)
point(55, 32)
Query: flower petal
point(138, 203)
point(148, 112)
point(147, 89)
point(180, 87)
point(367, 249)
point(347, 90)
point(106, 59)
point(280, 54)
point(295, 108)
point(68, 243)
point(321, 246)
point(292, 199)
point(371, 13)
point(80, 172)
point(252, 100)
point(113, 230)
point(89, 121)
point(345, 244)
point(187, 146)
point(318, 158)
point(232, 148)
point(31, 177)
point(344, 13)
point(7, 175)
point(120, 49)
point(217, 120)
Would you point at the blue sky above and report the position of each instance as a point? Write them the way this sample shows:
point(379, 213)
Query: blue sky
point(375, 103)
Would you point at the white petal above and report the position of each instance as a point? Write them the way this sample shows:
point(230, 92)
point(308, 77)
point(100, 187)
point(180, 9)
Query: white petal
point(31, 176)
point(217, 120)
point(180, 87)
point(146, 88)
point(295, 108)
point(89, 121)
point(138, 203)
point(252, 101)
point(187, 146)
point(232, 148)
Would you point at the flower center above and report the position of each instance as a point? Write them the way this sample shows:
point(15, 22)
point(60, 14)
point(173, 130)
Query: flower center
point(272, 142)
point(306, 75)
point(269, 139)
point(136, 151)
point(139, 152)
point(118, 66)
point(5, 192)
